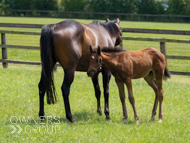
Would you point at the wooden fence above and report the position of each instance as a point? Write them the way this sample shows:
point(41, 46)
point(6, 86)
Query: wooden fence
point(162, 41)
point(91, 15)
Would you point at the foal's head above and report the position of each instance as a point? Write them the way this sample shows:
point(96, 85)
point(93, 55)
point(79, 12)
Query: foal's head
point(95, 60)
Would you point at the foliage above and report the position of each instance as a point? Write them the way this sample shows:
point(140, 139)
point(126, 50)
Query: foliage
point(112, 6)
point(176, 7)
point(179, 7)
point(75, 5)
point(150, 7)
point(31, 5)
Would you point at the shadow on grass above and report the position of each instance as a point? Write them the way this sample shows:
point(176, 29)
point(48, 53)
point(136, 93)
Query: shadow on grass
point(81, 118)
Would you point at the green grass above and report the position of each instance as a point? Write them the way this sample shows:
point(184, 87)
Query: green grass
point(19, 96)
point(19, 99)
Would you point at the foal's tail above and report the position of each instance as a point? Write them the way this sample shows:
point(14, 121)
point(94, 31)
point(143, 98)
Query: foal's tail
point(48, 62)
point(167, 74)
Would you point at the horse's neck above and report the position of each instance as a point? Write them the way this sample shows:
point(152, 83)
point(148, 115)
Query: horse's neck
point(109, 60)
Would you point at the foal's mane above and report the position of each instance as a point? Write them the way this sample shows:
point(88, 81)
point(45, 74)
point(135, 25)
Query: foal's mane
point(110, 26)
point(112, 50)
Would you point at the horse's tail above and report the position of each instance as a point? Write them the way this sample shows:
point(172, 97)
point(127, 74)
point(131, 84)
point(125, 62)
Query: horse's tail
point(167, 74)
point(48, 62)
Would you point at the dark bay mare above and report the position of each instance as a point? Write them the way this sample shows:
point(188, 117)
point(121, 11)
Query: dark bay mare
point(127, 65)
point(68, 43)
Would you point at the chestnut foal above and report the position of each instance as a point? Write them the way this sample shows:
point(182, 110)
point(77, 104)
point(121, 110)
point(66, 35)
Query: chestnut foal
point(125, 65)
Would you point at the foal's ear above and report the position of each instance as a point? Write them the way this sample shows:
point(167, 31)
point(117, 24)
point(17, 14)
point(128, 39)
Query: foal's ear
point(118, 20)
point(107, 20)
point(90, 49)
point(99, 50)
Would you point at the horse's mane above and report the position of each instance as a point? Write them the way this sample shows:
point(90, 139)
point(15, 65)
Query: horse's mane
point(110, 26)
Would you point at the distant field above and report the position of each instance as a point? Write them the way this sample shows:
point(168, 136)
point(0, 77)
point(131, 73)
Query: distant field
point(19, 97)
point(172, 48)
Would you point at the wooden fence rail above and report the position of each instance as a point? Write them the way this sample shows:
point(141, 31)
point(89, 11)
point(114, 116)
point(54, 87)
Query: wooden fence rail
point(91, 15)
point(162, 41)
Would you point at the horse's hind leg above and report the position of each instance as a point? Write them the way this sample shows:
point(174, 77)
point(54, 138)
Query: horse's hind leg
point(121, 88)
point(106, 79)
point(68, 79)
point(42, 90)
point(152, 83)
point(97, 92)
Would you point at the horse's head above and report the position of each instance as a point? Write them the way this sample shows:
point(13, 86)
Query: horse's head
point(95, 60)
point(114, 29)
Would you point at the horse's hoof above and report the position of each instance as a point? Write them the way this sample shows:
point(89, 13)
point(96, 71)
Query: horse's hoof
point(72, 121)
point(99, 112)
point(153, 118)
point(137, 122)
point(108, 118)
point(124, 120)
point(160, 121)
point(42, 118)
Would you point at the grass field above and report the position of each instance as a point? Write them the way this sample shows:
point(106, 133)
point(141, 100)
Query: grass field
point(19, 98)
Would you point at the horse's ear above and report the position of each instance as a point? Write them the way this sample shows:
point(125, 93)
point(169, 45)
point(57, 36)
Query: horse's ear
point(90, 49)
point(118, 20)
point(99, 50)
point(107, 20)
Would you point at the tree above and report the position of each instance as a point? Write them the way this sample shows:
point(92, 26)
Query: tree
point(176, 7)
point(150, 7)
point(112, 6)
point(75, 5)
point(32, 4)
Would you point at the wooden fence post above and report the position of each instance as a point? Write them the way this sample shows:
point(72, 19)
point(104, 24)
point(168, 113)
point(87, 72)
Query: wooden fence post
point(4, 50)
point(163, 49)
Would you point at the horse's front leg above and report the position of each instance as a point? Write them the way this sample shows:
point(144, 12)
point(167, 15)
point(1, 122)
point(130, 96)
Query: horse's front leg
point(106, 79)
point(97, 92)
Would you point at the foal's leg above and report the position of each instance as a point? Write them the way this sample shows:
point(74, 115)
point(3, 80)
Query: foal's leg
point(131, 98)
point(160, 96)
point(151, 82)
point(97, 92)
point(68, 79)
point(106, 79)
point(121, 88)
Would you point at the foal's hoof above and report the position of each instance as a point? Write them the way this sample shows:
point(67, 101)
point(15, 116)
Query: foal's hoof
point(160, 121)
point(124, 120)
point(137, 122)
point(153, 118)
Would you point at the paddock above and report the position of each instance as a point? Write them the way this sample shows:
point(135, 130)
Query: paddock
point(20, 103)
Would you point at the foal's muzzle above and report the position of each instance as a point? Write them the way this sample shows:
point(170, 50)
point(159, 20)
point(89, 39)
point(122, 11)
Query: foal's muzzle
point(93, 71)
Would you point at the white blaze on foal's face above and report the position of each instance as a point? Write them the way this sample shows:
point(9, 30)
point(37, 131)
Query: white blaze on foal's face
point(93, 57)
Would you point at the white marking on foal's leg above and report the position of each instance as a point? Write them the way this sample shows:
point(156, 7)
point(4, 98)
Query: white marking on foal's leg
point(160, 121)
